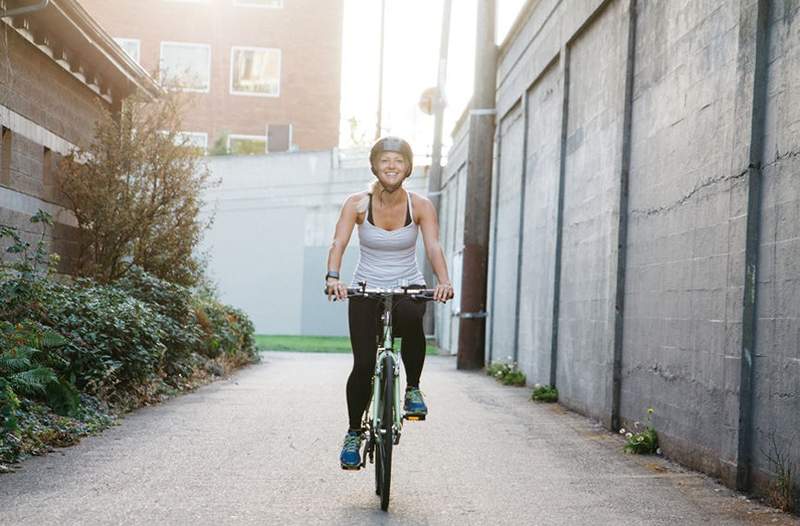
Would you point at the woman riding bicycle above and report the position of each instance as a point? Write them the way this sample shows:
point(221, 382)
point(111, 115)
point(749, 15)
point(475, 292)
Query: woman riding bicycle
point(388, 219)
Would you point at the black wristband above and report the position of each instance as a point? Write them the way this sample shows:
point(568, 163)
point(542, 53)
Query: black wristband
point(331, 274)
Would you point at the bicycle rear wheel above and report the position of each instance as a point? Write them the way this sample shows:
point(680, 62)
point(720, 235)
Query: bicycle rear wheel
point(383, 470)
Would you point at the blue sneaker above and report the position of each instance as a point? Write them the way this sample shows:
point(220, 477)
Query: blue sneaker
point(350, 457)
point(414, 405)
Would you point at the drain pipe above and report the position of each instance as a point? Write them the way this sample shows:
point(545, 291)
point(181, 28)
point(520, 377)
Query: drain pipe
point(24, 10)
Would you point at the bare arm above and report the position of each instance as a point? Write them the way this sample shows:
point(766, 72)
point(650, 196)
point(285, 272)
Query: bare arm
point(341, 237)
point(429, 224)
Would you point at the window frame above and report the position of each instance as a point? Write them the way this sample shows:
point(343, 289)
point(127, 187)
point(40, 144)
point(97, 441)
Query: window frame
point(232, 91)
point(184, 44)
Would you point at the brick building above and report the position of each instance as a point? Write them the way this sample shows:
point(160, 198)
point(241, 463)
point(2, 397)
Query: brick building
point(58, 71)
point(264, 75)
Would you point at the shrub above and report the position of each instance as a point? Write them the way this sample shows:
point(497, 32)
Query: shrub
point(136, 193)
point(544, 393)
point(226, 330)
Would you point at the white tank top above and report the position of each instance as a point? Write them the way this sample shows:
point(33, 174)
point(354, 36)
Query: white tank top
point(388, 258)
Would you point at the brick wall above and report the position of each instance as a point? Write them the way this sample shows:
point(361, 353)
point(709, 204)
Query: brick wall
point(44, 111)
point(307, 32)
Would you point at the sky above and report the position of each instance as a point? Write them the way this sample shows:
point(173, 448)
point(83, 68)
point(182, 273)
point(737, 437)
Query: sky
point(411, 56)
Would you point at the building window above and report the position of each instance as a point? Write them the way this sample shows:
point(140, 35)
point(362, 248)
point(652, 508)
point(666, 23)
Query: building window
point(197, 140)
point(255, 71)
point(247, 144)
point(186, 66)
point(130, 46)
point(272, 4)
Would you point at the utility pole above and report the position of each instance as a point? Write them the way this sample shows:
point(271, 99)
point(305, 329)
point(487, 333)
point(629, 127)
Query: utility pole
point(378, 123)
point(472, 326)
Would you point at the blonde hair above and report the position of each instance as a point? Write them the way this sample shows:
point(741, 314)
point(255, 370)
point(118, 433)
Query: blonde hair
point(373, 188)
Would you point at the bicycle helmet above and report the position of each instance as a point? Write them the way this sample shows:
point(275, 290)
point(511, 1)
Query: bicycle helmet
point(391, 144)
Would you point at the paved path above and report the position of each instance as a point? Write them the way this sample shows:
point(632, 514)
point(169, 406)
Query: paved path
point(262, 448)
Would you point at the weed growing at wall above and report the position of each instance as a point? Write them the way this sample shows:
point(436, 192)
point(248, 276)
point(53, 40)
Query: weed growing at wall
point(783, 492)
point(642, 441)
point(506, 373)
point(544, 393)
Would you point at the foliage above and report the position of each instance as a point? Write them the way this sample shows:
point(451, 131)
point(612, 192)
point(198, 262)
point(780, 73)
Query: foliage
point(506, 373)
point(544, 393)
point(642, 441)
point(783, 492)
point(73, 352)
point(226, 330)
point(39, 429)
point(135, 191)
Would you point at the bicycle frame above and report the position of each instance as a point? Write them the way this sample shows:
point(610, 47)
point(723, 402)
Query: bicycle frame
point(383, 351)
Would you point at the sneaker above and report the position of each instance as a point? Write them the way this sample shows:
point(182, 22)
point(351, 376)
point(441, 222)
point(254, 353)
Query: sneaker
point(414, 405)
point(350, 457)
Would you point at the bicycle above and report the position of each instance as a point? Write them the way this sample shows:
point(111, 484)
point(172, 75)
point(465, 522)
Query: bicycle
point(382, 421)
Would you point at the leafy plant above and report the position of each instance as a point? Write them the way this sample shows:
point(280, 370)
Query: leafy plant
point(644, 441)
point(544, 393)
point(506, 373)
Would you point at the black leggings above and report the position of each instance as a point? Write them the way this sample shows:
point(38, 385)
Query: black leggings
point(364, 315)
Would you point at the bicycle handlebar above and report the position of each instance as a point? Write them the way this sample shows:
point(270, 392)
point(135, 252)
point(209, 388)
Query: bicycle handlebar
point(363, 292)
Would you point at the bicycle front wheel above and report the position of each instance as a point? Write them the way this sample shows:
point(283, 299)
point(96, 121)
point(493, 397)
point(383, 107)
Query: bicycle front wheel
point(386, 431)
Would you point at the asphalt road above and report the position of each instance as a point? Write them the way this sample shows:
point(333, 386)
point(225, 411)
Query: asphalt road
point(262, 448)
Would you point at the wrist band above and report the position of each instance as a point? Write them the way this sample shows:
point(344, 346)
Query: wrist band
point(332, 274)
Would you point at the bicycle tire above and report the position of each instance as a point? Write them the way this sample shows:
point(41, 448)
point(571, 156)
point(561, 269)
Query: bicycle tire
point(387, 423)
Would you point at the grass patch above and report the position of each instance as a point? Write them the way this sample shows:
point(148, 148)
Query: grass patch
point(332, 344)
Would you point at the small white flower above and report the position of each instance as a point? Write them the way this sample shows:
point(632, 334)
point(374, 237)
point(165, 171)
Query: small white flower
point(628, 435)
point(622, 431)
point(658, 451)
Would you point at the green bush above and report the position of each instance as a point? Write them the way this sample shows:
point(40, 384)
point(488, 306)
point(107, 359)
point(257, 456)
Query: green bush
point(544, 393)
point(74, 352)
point(226, 330)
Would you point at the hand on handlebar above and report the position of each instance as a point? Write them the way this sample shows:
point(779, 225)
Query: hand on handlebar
point(336, 289)
point(443, 292)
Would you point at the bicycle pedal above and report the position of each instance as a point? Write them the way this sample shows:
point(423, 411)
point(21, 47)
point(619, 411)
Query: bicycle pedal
point(414, 417)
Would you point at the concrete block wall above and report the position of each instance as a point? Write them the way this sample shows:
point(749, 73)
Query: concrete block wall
point(777, 362)
point(661, 207)
point(591, 185)
point(504, 236)
point(681, 239)
point(542, 168)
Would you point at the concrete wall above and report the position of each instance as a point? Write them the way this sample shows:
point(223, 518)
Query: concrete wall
point(777, 361)
point(274, 221)
point(652, 149)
